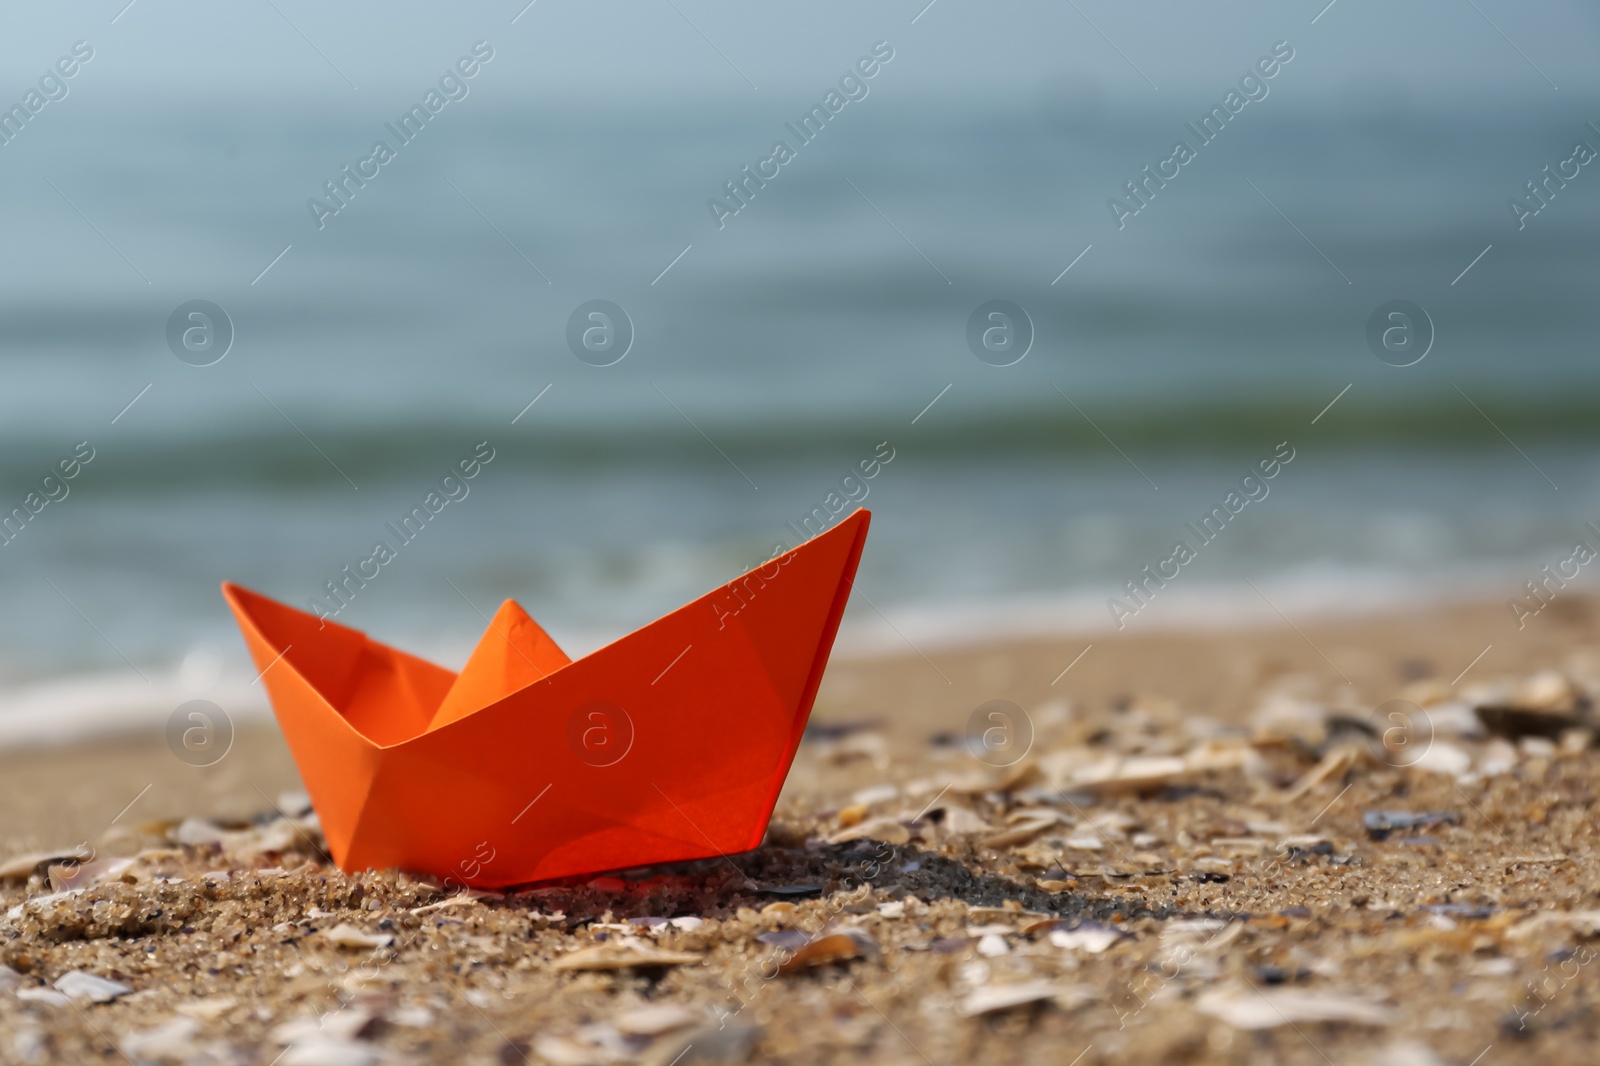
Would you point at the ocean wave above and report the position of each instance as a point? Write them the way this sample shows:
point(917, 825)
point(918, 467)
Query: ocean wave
point(377, 451)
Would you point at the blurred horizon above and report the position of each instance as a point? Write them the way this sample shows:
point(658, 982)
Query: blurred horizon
point(724, 47)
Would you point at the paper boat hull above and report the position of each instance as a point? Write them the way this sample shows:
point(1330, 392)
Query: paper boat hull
point(670, 744)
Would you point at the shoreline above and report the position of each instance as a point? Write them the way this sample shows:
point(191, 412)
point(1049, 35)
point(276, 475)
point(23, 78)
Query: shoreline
point(60, 710)
point(909, 695)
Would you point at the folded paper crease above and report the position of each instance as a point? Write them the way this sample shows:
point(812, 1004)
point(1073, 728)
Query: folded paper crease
point(668, 744)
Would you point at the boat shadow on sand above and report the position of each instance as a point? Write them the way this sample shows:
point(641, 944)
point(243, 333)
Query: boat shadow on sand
point(829, 883)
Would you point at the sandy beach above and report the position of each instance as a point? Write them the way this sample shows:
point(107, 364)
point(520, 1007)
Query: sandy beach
point(1219, 847)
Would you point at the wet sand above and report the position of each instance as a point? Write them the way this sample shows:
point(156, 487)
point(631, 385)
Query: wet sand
point(1200, 858)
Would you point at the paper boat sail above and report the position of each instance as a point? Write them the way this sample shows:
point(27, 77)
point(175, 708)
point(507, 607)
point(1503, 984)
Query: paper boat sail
point(671, 743)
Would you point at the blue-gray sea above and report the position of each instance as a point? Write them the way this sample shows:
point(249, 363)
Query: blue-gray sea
point(769, 357)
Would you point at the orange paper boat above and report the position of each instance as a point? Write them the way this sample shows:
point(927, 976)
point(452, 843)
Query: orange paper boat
point(669, 744)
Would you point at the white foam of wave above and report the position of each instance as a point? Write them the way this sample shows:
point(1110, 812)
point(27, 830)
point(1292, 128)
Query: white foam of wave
point(1306, 595)
point(113, 705)
point(116, 704)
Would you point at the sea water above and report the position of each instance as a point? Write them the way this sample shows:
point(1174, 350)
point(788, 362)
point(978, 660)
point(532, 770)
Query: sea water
point(769, 354)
